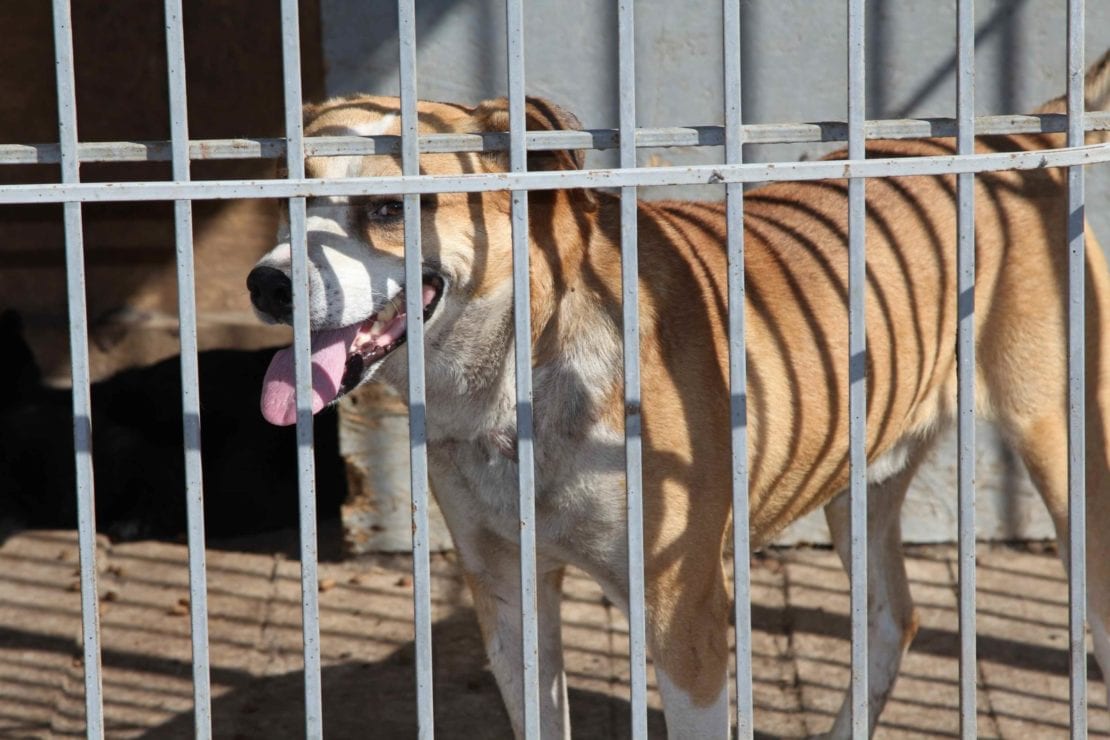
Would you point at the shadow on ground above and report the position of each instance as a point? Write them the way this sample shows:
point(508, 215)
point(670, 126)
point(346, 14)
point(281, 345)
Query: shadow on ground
point(378, 699)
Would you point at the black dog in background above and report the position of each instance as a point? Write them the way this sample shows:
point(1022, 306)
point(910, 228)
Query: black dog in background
point(249, 466)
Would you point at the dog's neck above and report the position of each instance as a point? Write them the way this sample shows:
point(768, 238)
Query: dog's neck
point(576, 350)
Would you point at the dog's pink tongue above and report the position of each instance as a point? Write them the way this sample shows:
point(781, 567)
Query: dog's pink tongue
point(329, 360)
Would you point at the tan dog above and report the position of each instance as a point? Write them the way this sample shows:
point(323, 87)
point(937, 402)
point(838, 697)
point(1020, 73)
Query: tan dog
point(796, 264)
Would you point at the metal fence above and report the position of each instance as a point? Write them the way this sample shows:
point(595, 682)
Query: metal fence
point(733, 173)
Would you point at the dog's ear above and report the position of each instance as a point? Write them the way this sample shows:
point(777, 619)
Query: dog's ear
point(539, 115)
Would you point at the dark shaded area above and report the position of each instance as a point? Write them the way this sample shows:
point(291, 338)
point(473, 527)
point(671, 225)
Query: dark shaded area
point(249, 466)
point(359, 695)
point(235, 87)
point(942, 643)
point(367, 698)
point(1003, 21)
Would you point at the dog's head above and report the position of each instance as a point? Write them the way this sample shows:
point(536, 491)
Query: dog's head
point(356, 244)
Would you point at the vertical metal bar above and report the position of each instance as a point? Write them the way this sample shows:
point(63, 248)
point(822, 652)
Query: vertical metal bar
point(79, 360)
point(522, 333)
point(857, 370)
point(306, 464)
point(414, 328)
point(630, 271)
point(965, 350)
point(190, 381)
point(738, 377)
point(1077, 503)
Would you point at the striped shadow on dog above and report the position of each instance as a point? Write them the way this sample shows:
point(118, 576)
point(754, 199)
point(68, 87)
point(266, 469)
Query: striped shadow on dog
point(797, 344)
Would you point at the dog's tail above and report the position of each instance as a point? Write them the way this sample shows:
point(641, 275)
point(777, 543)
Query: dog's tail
point(1096, 92)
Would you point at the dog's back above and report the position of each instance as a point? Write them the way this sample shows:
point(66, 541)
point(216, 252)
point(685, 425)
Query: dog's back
point(796, 262)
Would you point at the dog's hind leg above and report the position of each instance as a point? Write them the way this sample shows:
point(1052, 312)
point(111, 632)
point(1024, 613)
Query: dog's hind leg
point(1098, 515)
point(1098, 455)
point(1036, 421)
point(891, 619)
point(1043, 447)
point(1027, 382)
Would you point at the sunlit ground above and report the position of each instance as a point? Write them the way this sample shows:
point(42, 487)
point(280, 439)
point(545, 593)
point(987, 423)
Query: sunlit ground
point(800, 647)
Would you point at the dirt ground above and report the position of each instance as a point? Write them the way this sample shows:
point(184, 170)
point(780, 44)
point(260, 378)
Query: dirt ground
point(800, 646)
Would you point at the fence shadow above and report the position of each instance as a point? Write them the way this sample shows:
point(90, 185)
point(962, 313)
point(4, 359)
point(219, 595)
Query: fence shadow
point(378, 699)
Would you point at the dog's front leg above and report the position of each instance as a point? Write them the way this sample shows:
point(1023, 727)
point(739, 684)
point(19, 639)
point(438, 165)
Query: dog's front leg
point(688, 633)
point(891, 618)
point(494, 580)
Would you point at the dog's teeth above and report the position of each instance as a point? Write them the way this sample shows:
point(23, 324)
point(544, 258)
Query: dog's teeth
point(377, 328)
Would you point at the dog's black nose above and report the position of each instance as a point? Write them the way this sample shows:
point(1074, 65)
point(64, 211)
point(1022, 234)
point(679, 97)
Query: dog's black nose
point(271, 292)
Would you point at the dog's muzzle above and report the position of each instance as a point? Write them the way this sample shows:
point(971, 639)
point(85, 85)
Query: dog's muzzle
point(271, 293)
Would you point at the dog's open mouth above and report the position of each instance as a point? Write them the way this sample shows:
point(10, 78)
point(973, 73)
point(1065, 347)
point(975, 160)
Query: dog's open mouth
point(342, 358)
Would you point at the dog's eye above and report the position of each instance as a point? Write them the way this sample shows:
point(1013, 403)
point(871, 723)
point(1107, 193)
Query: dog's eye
point(385, 210)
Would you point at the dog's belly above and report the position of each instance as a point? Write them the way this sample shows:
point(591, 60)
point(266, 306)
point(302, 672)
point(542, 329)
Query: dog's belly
point(580, 504)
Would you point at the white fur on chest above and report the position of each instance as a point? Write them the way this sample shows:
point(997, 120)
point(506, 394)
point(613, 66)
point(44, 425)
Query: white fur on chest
point(580, 498)
point(579, 460)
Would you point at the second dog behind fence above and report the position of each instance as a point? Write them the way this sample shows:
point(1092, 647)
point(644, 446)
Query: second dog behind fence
point(797, 344)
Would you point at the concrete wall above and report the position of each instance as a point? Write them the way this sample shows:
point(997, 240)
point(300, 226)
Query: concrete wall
point(794, 69)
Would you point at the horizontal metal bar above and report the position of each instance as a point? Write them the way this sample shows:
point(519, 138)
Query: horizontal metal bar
point(556, 180)
point(600, 139)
